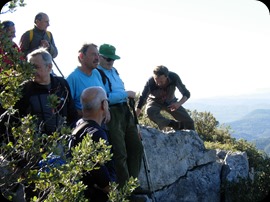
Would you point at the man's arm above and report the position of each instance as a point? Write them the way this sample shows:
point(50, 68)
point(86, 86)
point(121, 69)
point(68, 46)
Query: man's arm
point(145, 93)
point(24, 43)
point(101, 176)
point(180, 86)
point(52, 48)
point(72, 114)
point(174, 106)
point(117, 93)
point(182, 89)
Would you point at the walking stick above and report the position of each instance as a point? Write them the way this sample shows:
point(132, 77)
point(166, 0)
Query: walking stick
point(145, 161)
point(58, 68)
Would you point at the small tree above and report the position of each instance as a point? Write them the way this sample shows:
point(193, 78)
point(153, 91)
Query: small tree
point(12, 5)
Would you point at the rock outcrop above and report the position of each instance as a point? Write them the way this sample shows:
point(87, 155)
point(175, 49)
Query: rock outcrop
point(182, 169)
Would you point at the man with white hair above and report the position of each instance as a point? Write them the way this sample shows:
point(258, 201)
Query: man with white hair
point(35, 95)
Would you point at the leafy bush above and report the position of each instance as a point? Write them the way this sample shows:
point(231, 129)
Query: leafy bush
point(23, 146)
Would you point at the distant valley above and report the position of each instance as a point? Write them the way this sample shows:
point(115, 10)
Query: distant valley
point(228, 109)
point(247, 115)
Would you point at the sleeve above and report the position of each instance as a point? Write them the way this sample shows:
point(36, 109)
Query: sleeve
point(72, 114)
point(101, 176)
point(181, 87)
point(53, 49)
point(144, 95)
point(24, 43)
point(118, 93)
point(23, 104)
point(70, 84)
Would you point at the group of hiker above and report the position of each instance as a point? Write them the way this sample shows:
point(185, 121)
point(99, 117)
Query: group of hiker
point(93, 99)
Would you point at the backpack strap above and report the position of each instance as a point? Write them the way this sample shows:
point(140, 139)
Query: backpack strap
point(104, 77)
point(31, 35)
point(49, 35)
point(80, 127)
point(116, 71)
point(77, 132)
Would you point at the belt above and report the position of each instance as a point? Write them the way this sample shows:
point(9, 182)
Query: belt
point(121, 104)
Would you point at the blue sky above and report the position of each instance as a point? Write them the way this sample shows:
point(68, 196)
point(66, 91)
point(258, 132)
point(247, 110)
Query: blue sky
point(218, 47)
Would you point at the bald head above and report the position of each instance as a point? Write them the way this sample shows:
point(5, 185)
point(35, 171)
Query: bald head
point(92, 97)
point(42, 21)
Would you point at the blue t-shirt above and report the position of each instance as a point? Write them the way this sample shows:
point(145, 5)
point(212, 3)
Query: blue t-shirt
point(78, 81)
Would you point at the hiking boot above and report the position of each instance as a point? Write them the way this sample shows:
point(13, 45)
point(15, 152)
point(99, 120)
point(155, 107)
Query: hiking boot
point(140, 191)
point(176, 125)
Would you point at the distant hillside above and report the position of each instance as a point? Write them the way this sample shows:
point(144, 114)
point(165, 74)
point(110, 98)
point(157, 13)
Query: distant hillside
point(247, 115)
point(255, 128)
point(229, 109)
point(254, 125)
point(263, 144)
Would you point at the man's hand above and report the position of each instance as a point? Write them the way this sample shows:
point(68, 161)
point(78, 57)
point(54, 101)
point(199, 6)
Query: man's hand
point(174, 106)
point(131, 94)
point(105, 189)
point(138, 111)
point(44, 44)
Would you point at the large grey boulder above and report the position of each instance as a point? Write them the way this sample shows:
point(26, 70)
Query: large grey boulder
point(238, 166)
point(182, 169)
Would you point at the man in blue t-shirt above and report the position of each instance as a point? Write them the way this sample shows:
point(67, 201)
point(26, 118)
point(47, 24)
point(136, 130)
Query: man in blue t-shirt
point(85, 75)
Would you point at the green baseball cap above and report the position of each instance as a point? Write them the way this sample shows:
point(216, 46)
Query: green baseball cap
point(108, 51)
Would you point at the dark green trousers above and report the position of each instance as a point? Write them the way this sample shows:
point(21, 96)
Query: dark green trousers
point(153, 110)
point(127, 146)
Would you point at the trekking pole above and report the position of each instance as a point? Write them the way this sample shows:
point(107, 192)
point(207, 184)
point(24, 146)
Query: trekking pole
point(145, 162)
point(58, 68)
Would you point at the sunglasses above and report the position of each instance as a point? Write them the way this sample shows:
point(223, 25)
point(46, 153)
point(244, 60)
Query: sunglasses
point(107, 59)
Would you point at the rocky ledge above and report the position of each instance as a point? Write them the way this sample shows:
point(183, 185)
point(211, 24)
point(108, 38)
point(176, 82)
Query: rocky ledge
point(182, 169)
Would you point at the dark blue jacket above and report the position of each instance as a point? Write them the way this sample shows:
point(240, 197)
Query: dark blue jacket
point(34, 101)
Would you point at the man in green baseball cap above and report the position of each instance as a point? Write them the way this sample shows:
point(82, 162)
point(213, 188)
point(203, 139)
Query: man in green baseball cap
point(107, 51)
point(123, 133)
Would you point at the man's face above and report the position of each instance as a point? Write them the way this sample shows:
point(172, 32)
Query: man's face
point(42, 72)
point(161, 80)
point(11, 32)
point(43, 23)
point(91, 58)
point(106, 63)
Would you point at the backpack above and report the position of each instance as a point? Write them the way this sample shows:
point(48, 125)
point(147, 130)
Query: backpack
point(31, 35)
point(76, 134)
point(105, 78)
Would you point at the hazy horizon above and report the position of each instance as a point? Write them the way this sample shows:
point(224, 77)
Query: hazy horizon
point(218, 48)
